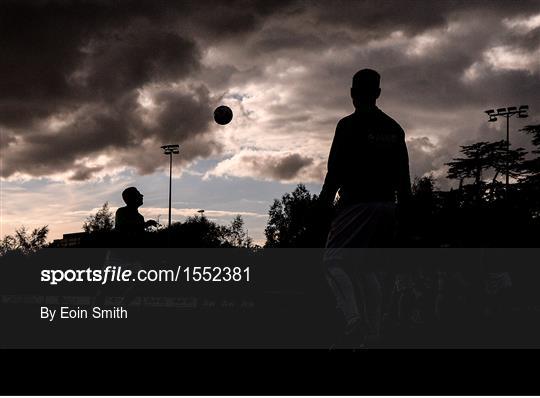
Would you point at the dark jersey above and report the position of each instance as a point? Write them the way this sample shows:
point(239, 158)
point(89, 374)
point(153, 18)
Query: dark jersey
point(368, 160)
point(128, 220)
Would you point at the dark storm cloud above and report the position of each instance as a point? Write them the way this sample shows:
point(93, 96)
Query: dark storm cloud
point(423, 51)
point(272, 166)
point(284, 39)
point(145, 159)
point(6, 139)
point(73, 74)
point(288, 167)
point(427, 156)
point(79, 61)
point(123, 61)
point(111, 44)
point(120, 128)
point(41, 153)
point(84, 173)
point(179, 116)
point(376, 18)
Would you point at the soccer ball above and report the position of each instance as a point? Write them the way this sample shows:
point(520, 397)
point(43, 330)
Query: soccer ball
point(223, 115)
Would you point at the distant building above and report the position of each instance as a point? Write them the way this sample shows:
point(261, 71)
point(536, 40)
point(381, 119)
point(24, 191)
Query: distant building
point(70, 240)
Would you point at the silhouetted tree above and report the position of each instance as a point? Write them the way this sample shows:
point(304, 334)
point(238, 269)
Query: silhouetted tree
point(423, 189)
point(423, 207)
point(236, 235)
point(501, 160)
point(531, 182)
point(24, 242)
point(472, 165)
point(102, 221)
point(294, 220)
point(482, 156)
point(532, 166)
point(533, 130)
point(199, 231)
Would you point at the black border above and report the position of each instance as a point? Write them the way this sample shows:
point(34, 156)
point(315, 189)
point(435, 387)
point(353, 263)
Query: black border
point(270, 372)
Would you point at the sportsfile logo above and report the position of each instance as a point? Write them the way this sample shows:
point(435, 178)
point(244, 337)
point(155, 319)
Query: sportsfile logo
point(120, 274)
point(108, 274)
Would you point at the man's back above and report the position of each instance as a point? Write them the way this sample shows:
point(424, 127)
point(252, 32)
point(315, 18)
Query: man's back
point(368, 160)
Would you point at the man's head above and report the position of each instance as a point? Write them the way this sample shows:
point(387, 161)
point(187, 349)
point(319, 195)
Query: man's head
point(365, 88)
point(132, 197)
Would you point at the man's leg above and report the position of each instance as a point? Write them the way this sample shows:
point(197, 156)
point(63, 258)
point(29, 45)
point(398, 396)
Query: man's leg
point(350, 300)
point(372, 299)
point(343, 287)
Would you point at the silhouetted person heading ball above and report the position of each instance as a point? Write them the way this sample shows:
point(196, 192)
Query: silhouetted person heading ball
point(128, 218)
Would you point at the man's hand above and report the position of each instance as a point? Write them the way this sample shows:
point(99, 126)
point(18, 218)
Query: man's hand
point(150, 223)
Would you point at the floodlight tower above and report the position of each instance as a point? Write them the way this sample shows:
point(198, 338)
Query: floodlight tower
point(507, 113)
point(172, 149)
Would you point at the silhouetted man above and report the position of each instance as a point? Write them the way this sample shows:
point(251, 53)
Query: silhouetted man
point(368, 167)
point(129, 225)
point(128, 219)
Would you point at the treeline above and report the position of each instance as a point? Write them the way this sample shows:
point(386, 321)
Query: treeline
point(24, 242)
point(481, 212)
point(195, 232)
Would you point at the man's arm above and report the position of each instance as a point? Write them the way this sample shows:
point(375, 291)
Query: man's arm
point(150, 223)
point(404, 178)
point(332, 180)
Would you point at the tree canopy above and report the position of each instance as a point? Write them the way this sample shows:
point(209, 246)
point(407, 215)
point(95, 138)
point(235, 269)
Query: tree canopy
point(102, 221)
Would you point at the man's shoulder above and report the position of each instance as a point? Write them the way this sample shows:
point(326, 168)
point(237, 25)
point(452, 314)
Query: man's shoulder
point(353, 121)
point(392, 123)
point(345, 122)
point(121, 210)
point(346, 119)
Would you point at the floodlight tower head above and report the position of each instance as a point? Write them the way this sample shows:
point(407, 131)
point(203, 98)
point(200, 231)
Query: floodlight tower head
point(501, 111)
point(522, 113)
point(171, 149)
point(492, 115)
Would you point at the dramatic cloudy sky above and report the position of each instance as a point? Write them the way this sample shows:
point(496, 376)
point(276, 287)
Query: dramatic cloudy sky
point(90, 90)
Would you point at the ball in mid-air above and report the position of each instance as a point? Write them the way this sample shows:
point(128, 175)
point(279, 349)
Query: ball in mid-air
point(223, 114)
